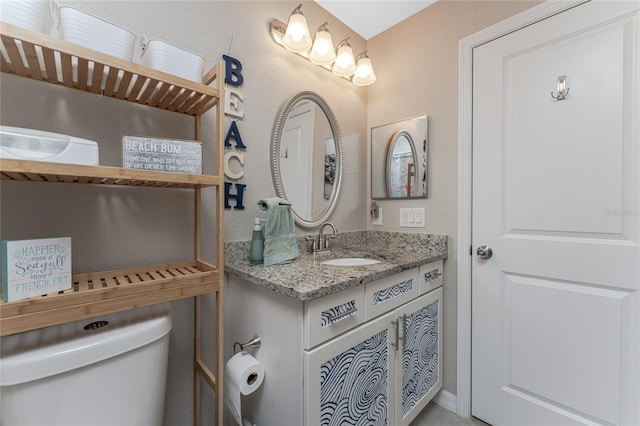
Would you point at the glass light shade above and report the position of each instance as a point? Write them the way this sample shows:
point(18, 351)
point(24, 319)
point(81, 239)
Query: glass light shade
point(364, 74)
point(322, 52)
point(345, 65)
point(297, 37)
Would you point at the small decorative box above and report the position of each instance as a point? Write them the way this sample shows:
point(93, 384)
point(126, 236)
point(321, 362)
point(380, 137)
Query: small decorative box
point(35, 267)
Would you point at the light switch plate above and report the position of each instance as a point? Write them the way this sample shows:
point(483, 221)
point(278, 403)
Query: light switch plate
point(412, 218)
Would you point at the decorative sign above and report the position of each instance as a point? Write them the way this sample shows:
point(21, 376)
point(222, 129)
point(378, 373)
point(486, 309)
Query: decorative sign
point(233, 108)
point(165, 155)
point(35, 267)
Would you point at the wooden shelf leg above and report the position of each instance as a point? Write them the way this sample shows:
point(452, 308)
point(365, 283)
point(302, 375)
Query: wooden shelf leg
point(196, 356)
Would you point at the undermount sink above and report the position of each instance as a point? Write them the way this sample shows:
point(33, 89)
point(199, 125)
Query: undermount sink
point(350, 261)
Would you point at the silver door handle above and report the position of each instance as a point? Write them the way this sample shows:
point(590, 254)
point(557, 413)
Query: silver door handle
point(484, 252)
point(401, 335)
point(396, 325)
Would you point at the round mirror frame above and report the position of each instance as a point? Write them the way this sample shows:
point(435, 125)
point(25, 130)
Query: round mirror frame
point(275, 158)
point(390, 152)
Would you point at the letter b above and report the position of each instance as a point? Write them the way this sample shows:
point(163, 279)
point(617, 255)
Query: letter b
point(233, 68)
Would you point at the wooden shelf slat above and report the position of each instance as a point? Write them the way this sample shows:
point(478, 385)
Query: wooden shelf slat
point(39, 171)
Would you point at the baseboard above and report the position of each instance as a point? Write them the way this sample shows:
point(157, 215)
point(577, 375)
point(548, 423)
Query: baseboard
point(446, 400)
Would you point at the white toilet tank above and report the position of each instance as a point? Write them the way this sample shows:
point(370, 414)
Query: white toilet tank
point(109, 370)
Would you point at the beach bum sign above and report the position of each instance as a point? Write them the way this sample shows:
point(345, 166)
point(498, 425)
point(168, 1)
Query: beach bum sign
point(35, 267)
point(164, 155)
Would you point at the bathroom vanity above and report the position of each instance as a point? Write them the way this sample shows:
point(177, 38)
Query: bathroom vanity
point(342, 344)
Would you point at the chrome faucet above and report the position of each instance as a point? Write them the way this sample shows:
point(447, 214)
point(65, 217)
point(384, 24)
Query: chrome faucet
point(321, 243)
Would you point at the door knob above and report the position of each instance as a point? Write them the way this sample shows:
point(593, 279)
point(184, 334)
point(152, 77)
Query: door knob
point(484, 252)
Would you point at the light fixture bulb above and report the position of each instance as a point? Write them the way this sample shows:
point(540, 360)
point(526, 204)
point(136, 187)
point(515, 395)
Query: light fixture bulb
point(297, 37)
point(364, 74)
point(345, 65)
point(322, 52)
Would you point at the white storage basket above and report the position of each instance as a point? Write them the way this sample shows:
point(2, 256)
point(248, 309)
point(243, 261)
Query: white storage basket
point(169, 58)
point(84, 29)
point(33, 15)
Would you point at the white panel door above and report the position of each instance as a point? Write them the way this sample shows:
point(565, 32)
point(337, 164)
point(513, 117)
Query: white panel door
point(555, 196)
point(295, 158)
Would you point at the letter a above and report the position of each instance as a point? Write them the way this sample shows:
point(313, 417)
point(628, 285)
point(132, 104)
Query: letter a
point(234, 133)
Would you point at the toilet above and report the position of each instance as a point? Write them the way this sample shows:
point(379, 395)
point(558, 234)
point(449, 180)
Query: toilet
point(109, 370)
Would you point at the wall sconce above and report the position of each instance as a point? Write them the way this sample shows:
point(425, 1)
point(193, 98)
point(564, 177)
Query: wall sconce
point(364, 74)
point(295, 37)
point(345, 64)
point(322, 51)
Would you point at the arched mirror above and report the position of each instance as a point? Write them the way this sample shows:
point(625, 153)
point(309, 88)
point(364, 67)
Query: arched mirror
point(401, 174)
point(306, 158)
point(399, 166)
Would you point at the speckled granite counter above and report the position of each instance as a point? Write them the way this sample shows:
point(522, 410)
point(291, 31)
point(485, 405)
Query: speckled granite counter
point(306, 278)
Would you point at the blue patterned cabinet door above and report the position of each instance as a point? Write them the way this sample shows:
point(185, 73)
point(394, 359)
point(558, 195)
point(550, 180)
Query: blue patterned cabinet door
point(420, 375)
point(350, 379)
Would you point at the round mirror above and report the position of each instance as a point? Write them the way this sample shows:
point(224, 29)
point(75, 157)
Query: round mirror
point(401, 166)
point(306, 158)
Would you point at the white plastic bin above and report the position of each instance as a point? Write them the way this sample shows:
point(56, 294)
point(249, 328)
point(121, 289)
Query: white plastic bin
point(93, 32)
point(33, 15)
point(29, 144)
point(166, 57)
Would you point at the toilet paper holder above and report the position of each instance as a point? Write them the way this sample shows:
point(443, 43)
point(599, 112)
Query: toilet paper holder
point(253, 343)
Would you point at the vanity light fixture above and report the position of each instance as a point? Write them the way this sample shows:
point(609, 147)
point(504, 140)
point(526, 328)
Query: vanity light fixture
point(345, 65)
point(322, 51)
point(295, 37)
point(364, 74)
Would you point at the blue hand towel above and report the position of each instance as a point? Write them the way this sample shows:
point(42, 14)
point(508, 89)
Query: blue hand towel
point(279, 232)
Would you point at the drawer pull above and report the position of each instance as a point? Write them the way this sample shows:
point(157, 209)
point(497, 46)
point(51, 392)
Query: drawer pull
point(336, 317)
point(432, 275)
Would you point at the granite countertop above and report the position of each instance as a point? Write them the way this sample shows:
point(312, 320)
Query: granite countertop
point(306, 278)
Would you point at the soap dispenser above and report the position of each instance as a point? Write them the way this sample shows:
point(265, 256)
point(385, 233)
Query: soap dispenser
point(256, 256)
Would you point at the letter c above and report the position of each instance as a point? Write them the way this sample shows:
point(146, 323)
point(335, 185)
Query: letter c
point(227, 169)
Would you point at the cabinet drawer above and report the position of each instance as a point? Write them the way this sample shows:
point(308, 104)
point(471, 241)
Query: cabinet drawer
point(332, 315)
point(431, 276)
point(388, 293)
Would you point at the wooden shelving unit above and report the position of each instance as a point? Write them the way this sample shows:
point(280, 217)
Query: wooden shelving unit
point(48, 59)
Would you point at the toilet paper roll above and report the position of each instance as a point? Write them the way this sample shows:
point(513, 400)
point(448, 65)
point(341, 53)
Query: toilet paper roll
point(243, 375)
